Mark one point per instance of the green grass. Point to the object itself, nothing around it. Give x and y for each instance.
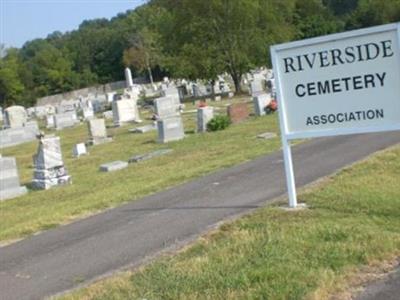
(93, 191)
(352, 221)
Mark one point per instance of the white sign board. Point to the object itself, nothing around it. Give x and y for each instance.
(337, 84)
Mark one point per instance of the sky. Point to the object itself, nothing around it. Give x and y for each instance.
(24, 20)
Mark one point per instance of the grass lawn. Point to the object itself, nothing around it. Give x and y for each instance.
(352, 221)
(93, 191)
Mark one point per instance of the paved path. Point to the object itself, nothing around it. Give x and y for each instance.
(59, 259)
(387, 288)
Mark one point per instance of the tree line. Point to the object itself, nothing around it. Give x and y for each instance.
(192, 39)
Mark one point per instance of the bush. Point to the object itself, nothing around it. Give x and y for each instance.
(218, 123)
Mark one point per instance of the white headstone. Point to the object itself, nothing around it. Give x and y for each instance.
(170, 129)
(204, 115)
(50, 121)
(256, 87)
(64, 120)
(88, 113)
(165, 107)
(9, 179)
(98, 132)
(125, 111)
(79, 149)
(128, 78)
(15, 116)
(260, 102)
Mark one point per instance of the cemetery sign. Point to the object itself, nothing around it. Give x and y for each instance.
(338, 84)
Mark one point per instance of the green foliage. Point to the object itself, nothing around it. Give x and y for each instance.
(202, 39)
(11, 87)
(193, 39)
(374, 12)
(218, 123)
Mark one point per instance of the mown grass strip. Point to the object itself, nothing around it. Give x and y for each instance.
(352, 221)
(93, 191)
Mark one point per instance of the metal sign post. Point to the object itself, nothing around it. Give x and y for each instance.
(345, 83)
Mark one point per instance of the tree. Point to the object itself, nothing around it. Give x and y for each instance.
(11, 87)
(202, 39)
(143, 53)
(312, 18)
(374, 12)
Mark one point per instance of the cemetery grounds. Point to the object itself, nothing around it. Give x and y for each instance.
(351, 224)
(93, 191)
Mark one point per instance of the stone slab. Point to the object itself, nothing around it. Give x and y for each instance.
(79, 149)
(12, 193)
(113, 166)
(267, 135)
(147, 156)
(99, 141)
(143, 129)
(45, 184)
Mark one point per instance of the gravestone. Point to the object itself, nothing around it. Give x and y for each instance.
(133, 92)
(128, 78)
(267, 135)
(165, 107)
(238, 112)
(204, 115)
(15, 116)
(49, 166)
(217, 98)
(30, 111)
(147, 156)
(113, 166)
(110, 96)
(108, 114)
(170, 129)
(40, 112)
(19, 135)
(79, 149)
(256, 87)
(98, 132)
(65, 120)
(9, 179)
(50, 121)
(143, 129)
(173, 93)
(260, 102)
(88, 113)
(125, 111)
(65, 106)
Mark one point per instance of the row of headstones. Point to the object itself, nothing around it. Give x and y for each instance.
(49, 169)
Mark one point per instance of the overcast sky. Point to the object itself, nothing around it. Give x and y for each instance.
(24, 20)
